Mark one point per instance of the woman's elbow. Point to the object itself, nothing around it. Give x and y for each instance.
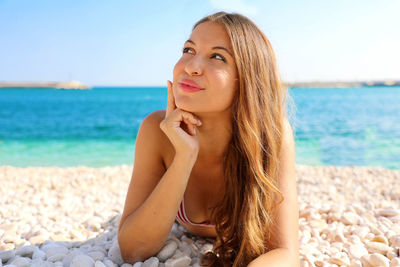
(135, 250)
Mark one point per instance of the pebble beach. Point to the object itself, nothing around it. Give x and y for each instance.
(52, 216)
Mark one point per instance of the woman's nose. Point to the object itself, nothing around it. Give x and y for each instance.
(193, 66)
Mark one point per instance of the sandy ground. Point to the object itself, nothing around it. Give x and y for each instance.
(349, 216)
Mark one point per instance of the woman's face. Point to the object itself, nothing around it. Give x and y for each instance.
(207, 59)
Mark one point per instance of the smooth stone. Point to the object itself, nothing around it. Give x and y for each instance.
(357, 251)
(126, 265)
(365, 260)
(394, 241)
(41, 263)
(376, 247)
(99, 264)
(56, 257)
(340, 258)
(82, 261)
(361, 231)
(355, 263)
(391, 254)
(6, 255)
(108, 263)
(195, 261)
(179, 262)
(187, 250)
(96, 255)
(39, 254)
(381, 239)
(395, 262)
(114, 253)
(388, 212)
(167, 251)
(55, 249)
(377, 259)
(26, 251)
(36, 240)
(151, 262)
(70, 256)
(7, 246)
(138, 264)
(21, 262)
(350, 218)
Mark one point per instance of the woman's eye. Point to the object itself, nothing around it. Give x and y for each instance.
(185, 50)
(220, 57)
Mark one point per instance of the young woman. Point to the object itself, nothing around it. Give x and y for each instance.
(220, 159)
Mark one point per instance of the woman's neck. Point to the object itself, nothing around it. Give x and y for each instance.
(214, 135)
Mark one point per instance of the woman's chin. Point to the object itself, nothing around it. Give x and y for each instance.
(186, 107)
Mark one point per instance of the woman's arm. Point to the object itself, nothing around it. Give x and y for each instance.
(151, 203)
(287, 213)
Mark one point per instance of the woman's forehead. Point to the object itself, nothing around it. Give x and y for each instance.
(210, 33)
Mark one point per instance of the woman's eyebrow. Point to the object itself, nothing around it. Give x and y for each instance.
(215, 47)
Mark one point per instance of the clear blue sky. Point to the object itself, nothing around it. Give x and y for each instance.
(138, 42)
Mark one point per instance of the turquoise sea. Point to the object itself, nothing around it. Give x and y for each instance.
(98, 127)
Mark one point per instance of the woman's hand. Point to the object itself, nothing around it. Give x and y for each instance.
(180, 128)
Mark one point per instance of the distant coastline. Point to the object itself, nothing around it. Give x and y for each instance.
(309, 84)
(343, 84)
(53, 85)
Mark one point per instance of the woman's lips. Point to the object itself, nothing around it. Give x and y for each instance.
(188, 88)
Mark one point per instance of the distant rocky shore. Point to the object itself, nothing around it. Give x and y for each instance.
(310, 84)
(339, 84)
(55, 85)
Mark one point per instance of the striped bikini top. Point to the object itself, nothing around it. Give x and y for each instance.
(181, 216)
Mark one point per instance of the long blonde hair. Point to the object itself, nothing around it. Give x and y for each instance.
(243, 219)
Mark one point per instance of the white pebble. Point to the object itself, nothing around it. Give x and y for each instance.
(70, 256)
(138, 264)
(378, 260)
(388, 212)
(82, 261)
(56, 257)
(349, 218)
(6, 255)
(38, 254)
(395, 262)
(114, 253)
(96, 255)
(108, 263)
(357, 251)
(151, 262)
(167, 251)
(55, 250)
(377, 247)
(340, 258)
(179, 262)
(99, 264)
(395, 241)
(26, 251)
(21, 262)
(41, 263)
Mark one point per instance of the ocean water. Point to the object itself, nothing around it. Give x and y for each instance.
(98, 127)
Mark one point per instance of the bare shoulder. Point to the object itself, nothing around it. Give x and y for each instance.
(287, 136)
(154, 118)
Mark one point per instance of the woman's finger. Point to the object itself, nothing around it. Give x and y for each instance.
(190, 117)
(190, 125)
(171, 101)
